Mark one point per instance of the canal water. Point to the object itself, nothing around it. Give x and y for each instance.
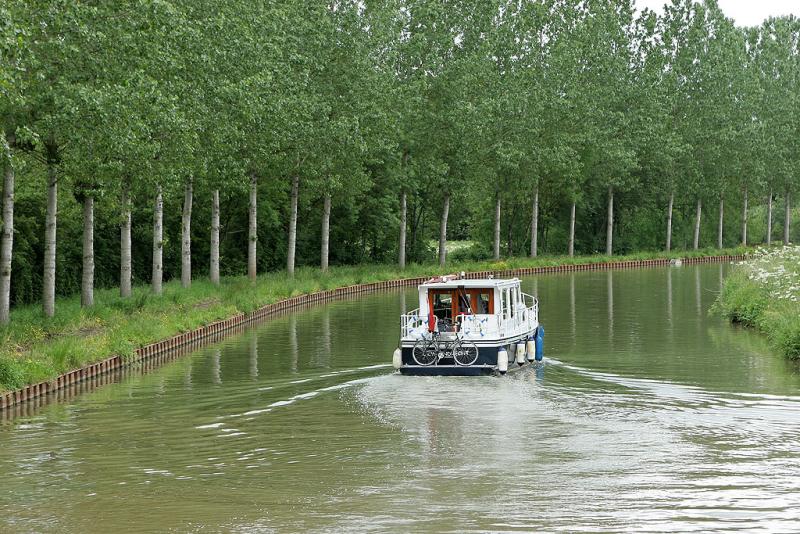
(649, 414)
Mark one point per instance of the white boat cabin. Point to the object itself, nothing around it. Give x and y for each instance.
(482, 310)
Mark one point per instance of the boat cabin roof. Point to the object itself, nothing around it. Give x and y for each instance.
(453, 282)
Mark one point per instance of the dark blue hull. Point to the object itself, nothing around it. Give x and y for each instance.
(456, 370)
(439, 370)
(487, 356)
(486, 364)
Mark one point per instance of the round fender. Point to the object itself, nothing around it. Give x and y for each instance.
(539, 343)
(502, 361)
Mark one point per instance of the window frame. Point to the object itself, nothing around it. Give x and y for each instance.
(473, 293)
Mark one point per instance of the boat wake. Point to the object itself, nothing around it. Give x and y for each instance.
(643, 451)
(297, 397)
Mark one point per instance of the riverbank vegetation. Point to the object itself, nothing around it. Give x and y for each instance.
(764, 293)
(35, 348)
(144, 142)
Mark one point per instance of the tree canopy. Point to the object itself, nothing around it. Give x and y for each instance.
(620, 128)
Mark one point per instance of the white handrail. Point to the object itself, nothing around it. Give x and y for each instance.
(526, 315)
(411, 321)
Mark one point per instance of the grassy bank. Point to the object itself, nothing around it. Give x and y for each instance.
(764, 293)
(34, 348)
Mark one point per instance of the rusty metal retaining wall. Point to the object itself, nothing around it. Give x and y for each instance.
(154, 354)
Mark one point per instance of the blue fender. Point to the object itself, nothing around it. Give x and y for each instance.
(539, 343)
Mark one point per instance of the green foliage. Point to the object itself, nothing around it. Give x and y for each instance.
(741, 300)
(12, 374)
(764, 294)
(782, 324)
(363, 100)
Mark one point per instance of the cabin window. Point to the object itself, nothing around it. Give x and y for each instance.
(448, 304)
(443, 305)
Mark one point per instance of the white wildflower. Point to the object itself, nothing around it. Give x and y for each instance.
(778, 270)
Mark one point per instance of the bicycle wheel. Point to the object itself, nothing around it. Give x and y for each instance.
(465, 353)
(424, 352)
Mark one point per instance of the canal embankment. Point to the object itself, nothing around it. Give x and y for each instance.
(41, 356)
(763, 292)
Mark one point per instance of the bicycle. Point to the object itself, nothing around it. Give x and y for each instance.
(432, 350)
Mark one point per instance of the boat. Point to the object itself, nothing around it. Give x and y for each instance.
(467, 327)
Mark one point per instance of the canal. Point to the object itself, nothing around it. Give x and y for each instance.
(649, 414)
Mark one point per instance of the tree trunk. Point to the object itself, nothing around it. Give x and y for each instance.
(7, 241)
(403, 224)
(510, 247)
(401, 259)
(610, 222)
(744, 219)
(787, 220)
(497, 226)
(158, 243)
(214, 263)
(186, 235)
(571, 246)
(669, 220)
(443, 231)
(125, 242)
(698, 217)
(252, 235)
(721, 226)
(87, 280)
(293, 225)
(51, 218)
(326, 231)
(769, 218)
(535, 223)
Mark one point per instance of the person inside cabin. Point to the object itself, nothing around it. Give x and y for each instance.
(482, 303)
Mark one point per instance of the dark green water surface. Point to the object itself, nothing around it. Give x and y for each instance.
(649, 415)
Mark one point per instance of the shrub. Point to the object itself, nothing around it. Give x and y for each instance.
(764, 293)
(783, 326)
(741, 300)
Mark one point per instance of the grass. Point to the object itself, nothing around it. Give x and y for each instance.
(764, 293)
(34, 348)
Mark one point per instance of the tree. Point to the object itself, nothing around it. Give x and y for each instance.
(7, 243)
(776, 54)
(13, 47)
(288, 134)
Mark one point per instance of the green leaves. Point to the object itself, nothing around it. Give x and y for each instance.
(363, 98)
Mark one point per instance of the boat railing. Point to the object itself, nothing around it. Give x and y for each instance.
(531, 305)
(411, 321)
(479, 325)
(412, 324)
(525, 313)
